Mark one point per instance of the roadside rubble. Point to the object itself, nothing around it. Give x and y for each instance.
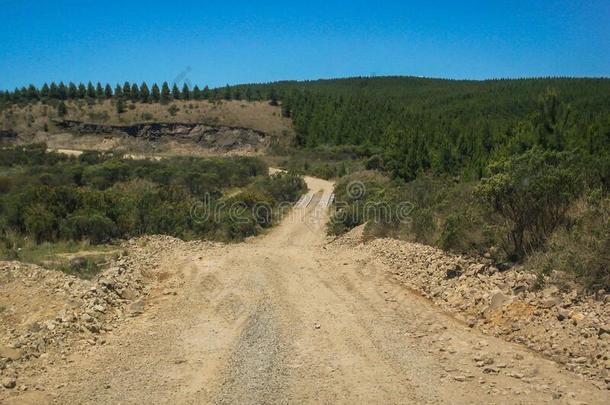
(44, 309)
(568, 327)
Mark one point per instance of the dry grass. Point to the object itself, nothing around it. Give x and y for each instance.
(258, 115)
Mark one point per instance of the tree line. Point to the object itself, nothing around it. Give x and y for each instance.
(130, 91)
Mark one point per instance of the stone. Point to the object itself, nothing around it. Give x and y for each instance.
(491, 370)
(562, 314)
(10, 353)
(453, 272)
(496, 301)
(550, 302)
(577, 317)
(580, 360)
(9, 382)
(136, 308)
(93, 327)
(106, 283)
(127, 294)
(520, 288)
(604, 329)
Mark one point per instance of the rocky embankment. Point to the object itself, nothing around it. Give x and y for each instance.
(46, 311)
(570, 328)
(215, 138)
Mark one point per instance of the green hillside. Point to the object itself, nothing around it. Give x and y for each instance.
(447, 126)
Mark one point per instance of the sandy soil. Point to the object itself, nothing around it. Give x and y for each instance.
(283, 319)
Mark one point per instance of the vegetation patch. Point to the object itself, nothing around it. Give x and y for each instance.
(101, 198)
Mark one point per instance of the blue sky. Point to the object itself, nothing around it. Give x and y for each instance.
(215, 43)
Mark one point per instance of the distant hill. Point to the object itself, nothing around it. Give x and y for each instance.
(446, 126)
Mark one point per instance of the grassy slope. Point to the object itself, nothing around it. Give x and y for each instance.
(260, 116)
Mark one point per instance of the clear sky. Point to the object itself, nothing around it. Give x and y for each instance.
(220, 42)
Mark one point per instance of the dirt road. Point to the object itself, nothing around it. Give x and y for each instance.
(284, 318)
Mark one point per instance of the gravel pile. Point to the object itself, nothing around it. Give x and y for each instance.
(570, 328)
(86, 309)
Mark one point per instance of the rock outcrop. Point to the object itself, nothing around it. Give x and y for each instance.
(217, 138)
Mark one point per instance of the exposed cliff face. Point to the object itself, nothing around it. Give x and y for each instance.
(220, 138)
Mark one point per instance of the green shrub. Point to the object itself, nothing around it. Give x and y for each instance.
(451, 234)
(375, 162)
(579, 252)
(283, 187)
(251, 205)
(40, 223)
(532, 193)
(93, 226)
(173, 109)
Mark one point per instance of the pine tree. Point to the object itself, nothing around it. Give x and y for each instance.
(127, 90)
(16, 97)
(155, 94)
(82, 91)
(44, 91)
(72, 91)
(99, 91)
(176, 92)
(90, 91)
(186, 93)
(118, 91)
(135, 93)
(120, 105)
(206, 93)
(144, 93)
(108, 91)
(62, 91)
(62, 110)
(53, 91)
(32, 93)
(165, 93)
(196, 93)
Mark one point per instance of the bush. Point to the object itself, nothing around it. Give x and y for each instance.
(39, 223)
(251, 205)
(173, 109)
(580, 252)
(451, 234)
(90, 225)
(532, 193)
(375, 162)
(283, 187)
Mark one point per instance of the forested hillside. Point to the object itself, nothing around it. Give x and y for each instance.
(413, 125)
(447, 126)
